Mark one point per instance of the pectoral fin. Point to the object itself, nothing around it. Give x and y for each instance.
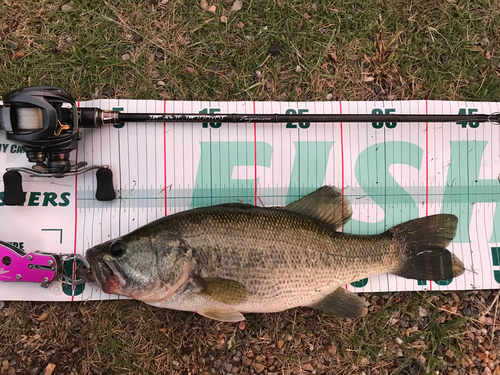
(341, 303)
(224, 315)
(225, 291)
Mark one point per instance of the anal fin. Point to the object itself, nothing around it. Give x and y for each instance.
(341, 303)
(223, 314)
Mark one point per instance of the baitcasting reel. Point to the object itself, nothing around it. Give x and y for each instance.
(45, 121)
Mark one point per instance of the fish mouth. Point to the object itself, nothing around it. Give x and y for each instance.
(105, 275)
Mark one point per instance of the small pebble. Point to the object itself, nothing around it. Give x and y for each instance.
(159, 55)
(485, 42)
(377, 89)
(160, 83)
(307, 367)
(228, 367)
(35, 371)
(155, 74)
(298, 69)
(329, 97)
(136, 37)
(445, 59)
(10, 44)
(125, 57)
(399, 341)
(66, 8)
(274, 49)
(241, 325)
(258, 367)
(258, 74)
(108, 91)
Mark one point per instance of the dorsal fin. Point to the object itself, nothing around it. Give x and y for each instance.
(326, 204)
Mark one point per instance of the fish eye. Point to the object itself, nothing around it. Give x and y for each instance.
(116, 250)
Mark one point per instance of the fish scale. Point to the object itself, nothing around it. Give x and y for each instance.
(282, 258)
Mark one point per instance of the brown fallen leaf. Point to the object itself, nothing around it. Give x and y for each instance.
(477, 48)
(281, 343)
(49, 369)
(306, 16)
(43, 317)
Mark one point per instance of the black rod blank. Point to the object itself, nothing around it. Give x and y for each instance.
(278, 118)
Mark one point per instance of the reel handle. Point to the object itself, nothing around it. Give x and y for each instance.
(13, 194)
(105, 190)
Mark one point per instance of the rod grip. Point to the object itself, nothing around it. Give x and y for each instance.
(13, 194)
(105, 190)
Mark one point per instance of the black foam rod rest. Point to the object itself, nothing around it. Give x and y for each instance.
(105, 191)
(13, 194)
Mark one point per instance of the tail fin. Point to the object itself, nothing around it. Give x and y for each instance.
(423, 242)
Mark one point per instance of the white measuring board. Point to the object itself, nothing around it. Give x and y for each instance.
(390, 172)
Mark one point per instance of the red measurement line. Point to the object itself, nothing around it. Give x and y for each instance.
(342, 153)
(255, 153)
(165, 156)
(76, 221)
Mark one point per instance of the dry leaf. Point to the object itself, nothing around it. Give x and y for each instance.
(237, 5)
(281, 343)
(477, 49)
(190, 70)
(306, 16)
(204, 4)
(332, 349)
(368, 79)
(421, 311)
(49, 369)
(223, 19)
(43, 317)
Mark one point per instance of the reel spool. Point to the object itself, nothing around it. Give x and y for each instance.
(45, 120)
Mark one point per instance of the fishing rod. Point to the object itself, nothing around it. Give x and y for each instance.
(45, 120)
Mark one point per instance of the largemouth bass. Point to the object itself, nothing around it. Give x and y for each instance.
(225, 260)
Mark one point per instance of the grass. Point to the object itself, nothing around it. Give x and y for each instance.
(441, 50)
(348, 50)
